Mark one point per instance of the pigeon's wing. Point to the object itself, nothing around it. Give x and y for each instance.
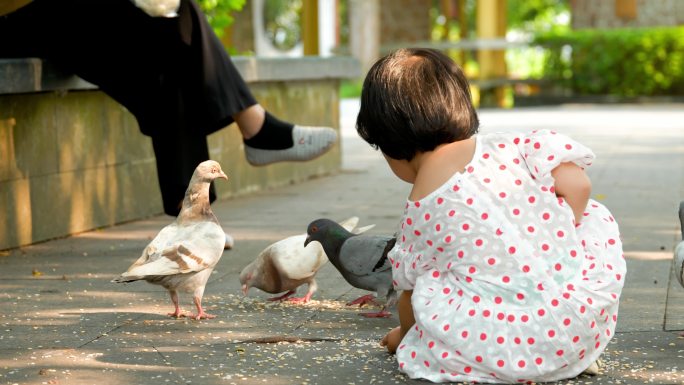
(180, 249)
(350, 223)
(293, 260)
(160, 241)
(362, 255)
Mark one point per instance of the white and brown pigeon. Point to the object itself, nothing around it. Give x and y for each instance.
(285, 265)
(183, 255)
(361, 259)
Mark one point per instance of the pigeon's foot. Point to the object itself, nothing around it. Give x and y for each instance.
(364, 300)
(176, 314)
(309, 143)
(201, 315)
(282, 297)
(304, 299)
(381, 314)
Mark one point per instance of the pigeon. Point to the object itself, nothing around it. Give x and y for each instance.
(184, 253)
(287, 264)
(679, 250)
(361, 259)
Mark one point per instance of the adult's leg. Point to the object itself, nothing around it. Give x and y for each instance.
(227, 98)
(178, 154)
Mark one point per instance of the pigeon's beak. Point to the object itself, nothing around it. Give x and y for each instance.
(223, 175)
(307, 240)
(245, 289)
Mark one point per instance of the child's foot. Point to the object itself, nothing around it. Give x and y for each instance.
(593, 369)
(309, 143)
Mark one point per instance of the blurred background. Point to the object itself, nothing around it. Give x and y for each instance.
(73, 160)
(516, 52)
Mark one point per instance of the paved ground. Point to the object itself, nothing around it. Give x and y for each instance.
(63, 322)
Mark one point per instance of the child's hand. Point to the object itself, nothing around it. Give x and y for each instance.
(391, 340)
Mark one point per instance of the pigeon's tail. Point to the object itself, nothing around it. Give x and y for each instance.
(681, 217)
(124, 279)
(350, 223)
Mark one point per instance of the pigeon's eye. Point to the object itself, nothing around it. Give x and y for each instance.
(314, 229)
(213, 171)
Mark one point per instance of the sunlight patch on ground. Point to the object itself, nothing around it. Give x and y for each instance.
(648, 255)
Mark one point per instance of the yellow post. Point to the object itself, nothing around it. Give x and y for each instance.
(491, 23)
(626, 9)
(310, 27)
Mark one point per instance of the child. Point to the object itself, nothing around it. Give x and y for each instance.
(510, 273)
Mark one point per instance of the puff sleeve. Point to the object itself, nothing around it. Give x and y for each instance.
(403, 274)
(544, 150)
(409, 257)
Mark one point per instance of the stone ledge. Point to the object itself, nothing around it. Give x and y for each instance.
(27, 75)
(74, 161)
(255, 69)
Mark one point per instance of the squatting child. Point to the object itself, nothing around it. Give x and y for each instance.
(509, 271)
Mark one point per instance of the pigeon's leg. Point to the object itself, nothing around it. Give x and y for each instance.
(313, 286)
(363, 300)
(200, 312)
(174, 298)
(282, 297)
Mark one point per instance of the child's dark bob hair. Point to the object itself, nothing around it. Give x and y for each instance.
(414, 100)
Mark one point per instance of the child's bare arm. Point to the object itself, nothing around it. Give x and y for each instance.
(406, 321)
(573, 184)
(406, 318)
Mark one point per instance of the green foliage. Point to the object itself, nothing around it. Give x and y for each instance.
(538, 15)
(351, 88)
(282, 21)
(621, 62)
(524, 19)
(219, 12)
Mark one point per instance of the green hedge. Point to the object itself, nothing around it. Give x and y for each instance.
(622, 62)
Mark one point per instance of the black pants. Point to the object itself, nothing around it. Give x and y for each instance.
(173, 75)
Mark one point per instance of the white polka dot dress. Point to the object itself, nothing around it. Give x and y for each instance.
(505, 287)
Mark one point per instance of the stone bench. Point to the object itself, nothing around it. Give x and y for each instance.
(72, 159)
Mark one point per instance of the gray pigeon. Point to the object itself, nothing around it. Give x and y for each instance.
(285, 265)
(679, 250)
(184, 253)
(361, 259)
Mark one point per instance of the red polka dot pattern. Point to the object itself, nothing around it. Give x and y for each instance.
(492, 254)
